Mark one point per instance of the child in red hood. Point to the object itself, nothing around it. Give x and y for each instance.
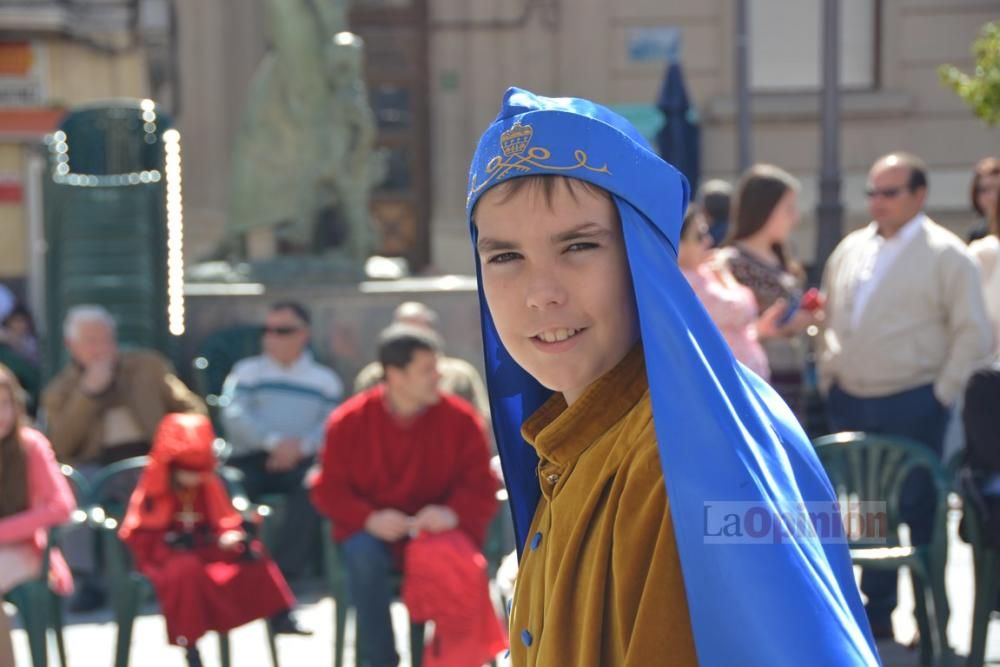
(188, 540)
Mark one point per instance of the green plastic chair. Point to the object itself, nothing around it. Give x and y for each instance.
(499, 542)
(215, 357)
(337, 581)
(129, 588)
(873, 467)
(500, 535)
(40, 608)
(269, 507)
(986, 561)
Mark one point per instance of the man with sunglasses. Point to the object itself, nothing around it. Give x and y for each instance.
(905, 328)
(274, 407)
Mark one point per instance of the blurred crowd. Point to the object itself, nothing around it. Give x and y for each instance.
(402, 467)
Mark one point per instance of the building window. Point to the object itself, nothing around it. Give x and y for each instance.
(786, 44)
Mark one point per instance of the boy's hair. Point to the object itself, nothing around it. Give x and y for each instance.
(545, 184)
(398, 343)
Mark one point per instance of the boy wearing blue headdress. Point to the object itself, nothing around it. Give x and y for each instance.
(621, 417)
(556, 278)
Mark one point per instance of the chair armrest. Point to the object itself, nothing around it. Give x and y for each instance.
(77, 518)
(118, 561)
(253, 514)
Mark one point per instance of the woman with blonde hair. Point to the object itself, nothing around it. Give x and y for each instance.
(34, 496)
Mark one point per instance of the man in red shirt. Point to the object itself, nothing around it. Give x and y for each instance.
(400, 459)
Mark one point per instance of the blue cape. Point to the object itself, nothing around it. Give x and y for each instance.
(722, 432)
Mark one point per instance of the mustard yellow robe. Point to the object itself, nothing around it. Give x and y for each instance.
(600, 579)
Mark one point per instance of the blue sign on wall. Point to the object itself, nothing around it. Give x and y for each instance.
(657, 43)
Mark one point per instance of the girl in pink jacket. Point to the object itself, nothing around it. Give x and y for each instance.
(34, 496)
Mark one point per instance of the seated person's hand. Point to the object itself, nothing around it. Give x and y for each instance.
(767, 323)
(230, 540)
(389, 525)
(435, 519)
(179, 540)
(97, 376)
(285, 455)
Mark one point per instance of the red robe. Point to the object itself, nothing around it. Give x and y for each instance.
(372, 461)
(445, 581)
(205, 587)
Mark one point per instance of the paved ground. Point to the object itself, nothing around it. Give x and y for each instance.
(90, 639)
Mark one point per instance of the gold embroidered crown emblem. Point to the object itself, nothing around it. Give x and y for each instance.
(515, 140)
(518, 159)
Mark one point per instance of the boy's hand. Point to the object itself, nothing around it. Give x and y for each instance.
(230, 540)
(389, 525)
(435, 519)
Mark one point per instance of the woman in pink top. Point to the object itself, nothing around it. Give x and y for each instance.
(731, 305)
(33, 497)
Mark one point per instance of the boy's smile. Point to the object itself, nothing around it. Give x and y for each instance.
(550, 336)
(556, 280)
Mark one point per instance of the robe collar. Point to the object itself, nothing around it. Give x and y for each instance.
(560, 434)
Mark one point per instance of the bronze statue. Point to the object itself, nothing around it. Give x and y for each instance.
(304, 161)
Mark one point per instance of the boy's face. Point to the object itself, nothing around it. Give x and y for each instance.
(557, 283)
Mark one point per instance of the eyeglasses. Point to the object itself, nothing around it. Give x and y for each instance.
(888, 193)
(279, 330)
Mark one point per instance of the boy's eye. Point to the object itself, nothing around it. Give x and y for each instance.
(503, 258)
(577, 247)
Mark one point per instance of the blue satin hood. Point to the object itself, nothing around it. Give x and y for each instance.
(723, 434)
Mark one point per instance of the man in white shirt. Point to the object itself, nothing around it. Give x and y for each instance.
(274, 409)
(906, 326)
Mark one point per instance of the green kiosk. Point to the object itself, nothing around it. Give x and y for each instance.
(114, 224)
